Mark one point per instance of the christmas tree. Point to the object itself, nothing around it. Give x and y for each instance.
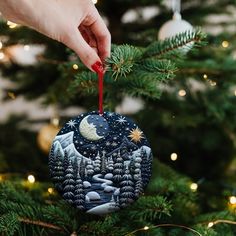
(185, 93)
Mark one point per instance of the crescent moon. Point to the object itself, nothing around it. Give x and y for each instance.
(88, 131)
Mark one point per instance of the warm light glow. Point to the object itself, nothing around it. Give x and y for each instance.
(232, 200)
(235, 92)
(50, 190)
(205, 76)
(212, 83)
(210, 224)
(26, 47)
(173, 156)
(11, 24)
(94, 1)
(75, 67)
(146, 228)
(11, 95)
(31, 179)
(182, 93)
(1, 177)
(193, 187)
(225, 44)
(55, 121)
(2, 55)
(0, 45)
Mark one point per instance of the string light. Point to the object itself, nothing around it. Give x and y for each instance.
(235, 92)
(145, 228)
(212, 83)
(210, 224)
(11, 24)
(225, 44)
(194, 187)
(182, 93)
(173, 156)
(2, 55)
(50, 190)
(94, 1)
(26, 47)
(11, 95)
(55, 121)
(1, 45)
(31, 179)
(232, 200)
(205, 76)
(75, 67)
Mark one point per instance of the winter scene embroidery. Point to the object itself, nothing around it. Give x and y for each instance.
(100, 163)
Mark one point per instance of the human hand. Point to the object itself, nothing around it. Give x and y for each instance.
(76, 23)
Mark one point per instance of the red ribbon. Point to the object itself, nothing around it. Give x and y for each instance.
(98, 68)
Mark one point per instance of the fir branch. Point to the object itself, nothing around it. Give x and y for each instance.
(178, 44)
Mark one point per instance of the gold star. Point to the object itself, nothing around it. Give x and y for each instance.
(136, 135)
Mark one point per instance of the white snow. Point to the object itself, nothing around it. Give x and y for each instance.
(93, 196)
(136, 153)
(104, 209)
(57, 147)
(65, 139)
(117, 192)
(86, 184)
(87, 199)
(108, 176)
(73, 153)
(108, 189)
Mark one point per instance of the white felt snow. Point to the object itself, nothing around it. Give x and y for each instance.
(104, 209)
(108, 189)
(108, 176)
(93, 196)
(86, 184)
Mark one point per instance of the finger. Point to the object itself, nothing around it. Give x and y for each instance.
(102, 35)
(86, 53)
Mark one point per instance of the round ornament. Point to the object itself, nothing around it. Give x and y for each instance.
(173, 27)
(100, 163)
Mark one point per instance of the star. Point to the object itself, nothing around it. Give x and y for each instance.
(108, 143)
(121, 120)
(71, 123)
(110, 114)
(93, 147)
(136, 135)
(114, 144)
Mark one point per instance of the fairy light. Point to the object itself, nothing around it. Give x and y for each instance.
(194, 187)
(205, 76)
(232, 200)
(145, 228)
(2, 55)
(11, 24)
(182, 93)
(94, 1)
(26, 47)
(212, 83)
(1, 45)
(173, 156)
(210, 224)
(31, 179)
(225, 44)
(75, 67)
(50, 190)
(235, 92)
(55, 121)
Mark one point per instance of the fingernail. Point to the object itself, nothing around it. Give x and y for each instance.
(98, 67)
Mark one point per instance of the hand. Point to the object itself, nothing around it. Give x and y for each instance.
(76, 23)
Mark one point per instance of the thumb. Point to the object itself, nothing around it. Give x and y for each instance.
(86, 53)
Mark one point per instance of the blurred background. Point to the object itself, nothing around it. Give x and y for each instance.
(191, 128)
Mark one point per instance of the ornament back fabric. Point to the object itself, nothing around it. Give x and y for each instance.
(100, 163)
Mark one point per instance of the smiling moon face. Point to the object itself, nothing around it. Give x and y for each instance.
(93, 127)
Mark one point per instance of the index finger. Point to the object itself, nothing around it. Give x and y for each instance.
(103, 37)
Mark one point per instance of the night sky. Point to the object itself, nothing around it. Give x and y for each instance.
(110, 126)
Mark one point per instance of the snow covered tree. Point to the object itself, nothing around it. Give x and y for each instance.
(127, 189)
(103, 164)
(97, 163)
(118, 169)
(137, 168)
(138, 187)
(110, 164)
(65, 161)
(124, 153)
(89, 168)
(145, 167)
(69, 184)
(57, 172)
(75, 167)
(51, 161)
(82, 168)
(79, 195)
